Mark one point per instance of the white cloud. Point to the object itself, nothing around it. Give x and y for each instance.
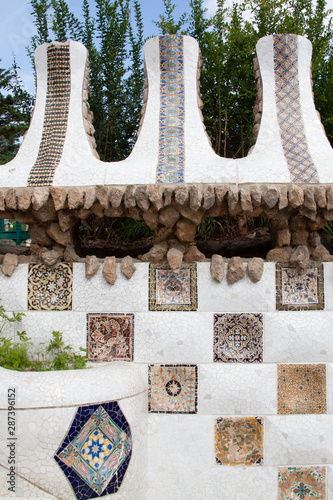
(211, 6)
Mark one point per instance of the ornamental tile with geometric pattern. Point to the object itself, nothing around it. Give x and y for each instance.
(239, 440)
(295, 483)
(50, 289)
(96, 451)
(301, 388)
(110, 336)
(238, 338)
(172, 388)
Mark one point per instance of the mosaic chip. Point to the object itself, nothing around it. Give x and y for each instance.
(299, 291)
(56, 116)
(172, 291)
(239, 440)
(171, 157)
(96, 451)
(238, 338)
(301, 388)
(110, 336)
(289, 113)
(297, 483)
(50, 289)
(173, 388)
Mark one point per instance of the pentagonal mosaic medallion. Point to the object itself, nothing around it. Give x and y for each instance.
(301, 388)
(110, 336)
(173, 388)
(239, 440)
(173, 291)
(50, 289)
(299, 291)
(238, 338)
(96, 451)
(297, 483)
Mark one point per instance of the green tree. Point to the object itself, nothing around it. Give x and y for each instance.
(167, 23)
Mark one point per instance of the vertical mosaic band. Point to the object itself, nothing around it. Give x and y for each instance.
(56, 116)
(289, 113)
(171, 157)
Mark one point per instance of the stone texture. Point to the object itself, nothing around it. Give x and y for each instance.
(141, 198)
(314, 239)
(66, 220)
(246, 202)
(329, 197)
(2, 199)
(220, 194)
(46, 213)
(217, 268)
(71, 256)
(168, 216)
(63, 238)
(299, 237)
(208, 197)
(255, 269)
(193, 254)
(24, 196)
(195, 197)
(116, 196)
(110, 270)
(320, 196)
(9, 264)
(321, 254)
(11, 199)
(256, 193)
(59, 196)
(195, 216)
(50, 258)
(233, 196)
(283, 237)
(151, 219)
(102, 194)
(296, 196)
(75, 198)
(40, 197)
(309, 198)
(127, 267)
(156, 253)
(283, 201)
(92, 266)
(89, 197)
(181, 195)
(279, 254)
(129, 198)
(270, 197)
(185, 230)
(175, 258)
(38, 235)
(235, 271)
(300, 257)
(155, 195)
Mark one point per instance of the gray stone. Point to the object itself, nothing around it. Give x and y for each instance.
(320, 196)
(129, 198)
(314, 239)
(208, 197)
(321, 254)
(50, 258)
(235, 271)
(296, 196)
(110, 270)
(195, 197)
(279, 254)
(89, 197)
(329, 197)
(127, 267)
(255, 269)
(102, 194)
(195, 216)
(157, 253)
(270, 197)
(167, 196)
(300, 257)
(71, 256)
(24, 196)
(256, 193)
(299, 237)
(11, 199)
(246, 202)
(193, 254)
(233, 196)
(217, 268)
(2, 199)
(220, 194)
(59, 196)
(54, 232)
(283, 237)
(66, 220)
(151, 218)
(181, 195)
(185, 230)
(168, 216)
(283, 201)
(155, 195)
(175, 259)
(40, 197)
(309, 198)
(9, 264)
(75, 198)
(38, 235)
(92, 266)
(116, 196)
(141, 198)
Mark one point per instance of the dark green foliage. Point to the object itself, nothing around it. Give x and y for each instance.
(117, 230)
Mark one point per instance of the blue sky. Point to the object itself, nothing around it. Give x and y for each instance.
(16, 28)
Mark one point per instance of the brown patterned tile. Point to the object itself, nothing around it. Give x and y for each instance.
(110, 336)
(297, 483)
(50, 289)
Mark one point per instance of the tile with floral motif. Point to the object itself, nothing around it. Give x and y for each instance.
(50, 289)
(110, 336)
(298, 483)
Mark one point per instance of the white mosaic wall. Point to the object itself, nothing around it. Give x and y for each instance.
(173, 450)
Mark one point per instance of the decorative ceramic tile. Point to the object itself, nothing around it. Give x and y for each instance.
(96, 451)
(173, 388)
(299, 291)
(110, 336)
(56, 116)
(171, 157)
(172, 291)
(301, 389)
(238, 338)
(50, 289)
(239, 440)
(297, 483)
(289, 113)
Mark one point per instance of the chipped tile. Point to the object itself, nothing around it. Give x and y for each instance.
(299, 291)
(172, 388)
(296, 483)
(239, 440)
(172, 291)
(50, 289)
(110, 336)
(238, 338)
(301, 388)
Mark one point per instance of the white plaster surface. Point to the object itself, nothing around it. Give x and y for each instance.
(14, 289)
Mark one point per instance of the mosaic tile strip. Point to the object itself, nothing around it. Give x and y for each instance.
(172, 291)
(173, 388)
(289, 113)
(299, 291)
(50, 289)
(171, 157)
(238, 338)
(301, 389)
(56, 116)
(110, 336)
(295, 483)
(96, 450)
(239, 440)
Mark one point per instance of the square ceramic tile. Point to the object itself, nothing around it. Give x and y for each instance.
(50, 289)
(173, 291)
(301, 388)
(172, 388)
(96, 450)
(110, 336)
(299, 291)
(239, 440)
(238, 338)
(297, 483)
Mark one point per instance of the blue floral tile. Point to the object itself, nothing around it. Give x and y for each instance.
(297, 483)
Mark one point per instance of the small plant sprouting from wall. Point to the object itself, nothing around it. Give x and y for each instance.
(24, 356)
